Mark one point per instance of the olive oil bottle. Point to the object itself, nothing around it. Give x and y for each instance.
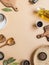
(42, 13)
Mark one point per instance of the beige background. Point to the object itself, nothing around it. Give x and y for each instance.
(19, 26)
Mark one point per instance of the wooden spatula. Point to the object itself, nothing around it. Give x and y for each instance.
(45, 34)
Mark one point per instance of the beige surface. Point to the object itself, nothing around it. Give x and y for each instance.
(19, 26)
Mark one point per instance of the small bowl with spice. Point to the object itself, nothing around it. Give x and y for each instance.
(38, 24)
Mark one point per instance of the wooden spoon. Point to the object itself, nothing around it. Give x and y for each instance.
(9, 42)
(2, 38)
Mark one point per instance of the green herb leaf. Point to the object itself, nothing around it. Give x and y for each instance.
(6, 9)
(5, 62)
(15, 63)
(10, 60)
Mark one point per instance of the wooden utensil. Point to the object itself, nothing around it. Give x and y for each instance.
(45, 34)
(9, 42)
(2, 38)
(9, 3)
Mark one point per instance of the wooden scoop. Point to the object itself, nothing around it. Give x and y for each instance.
(45, 34)
(9, 42)
(2, 38)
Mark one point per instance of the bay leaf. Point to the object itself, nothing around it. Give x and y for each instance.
(7, 9)
(10, 60)
(15, 63)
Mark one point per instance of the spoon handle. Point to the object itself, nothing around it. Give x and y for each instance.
(3, 45)
(41, 35)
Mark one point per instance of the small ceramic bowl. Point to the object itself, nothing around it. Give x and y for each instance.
(39, 23)
(3, 21)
